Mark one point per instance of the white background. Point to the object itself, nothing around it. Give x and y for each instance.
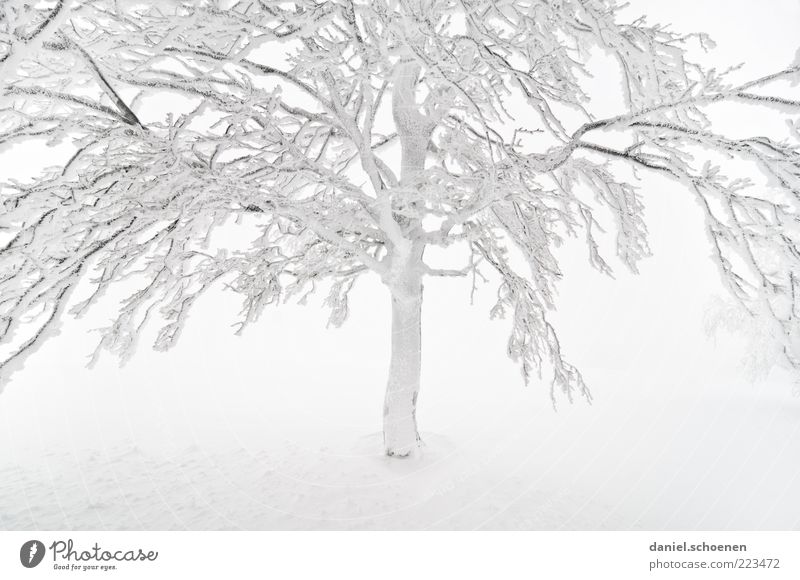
(623, 555)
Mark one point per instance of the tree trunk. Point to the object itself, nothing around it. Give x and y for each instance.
(400, 435)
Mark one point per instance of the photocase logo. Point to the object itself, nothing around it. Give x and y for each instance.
(31, 553)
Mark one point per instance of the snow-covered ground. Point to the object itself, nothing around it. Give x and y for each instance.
(653, 455)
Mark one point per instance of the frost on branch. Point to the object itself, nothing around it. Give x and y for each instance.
(533, 340)
(342, 137)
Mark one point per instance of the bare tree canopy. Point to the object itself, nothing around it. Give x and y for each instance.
(354, 135)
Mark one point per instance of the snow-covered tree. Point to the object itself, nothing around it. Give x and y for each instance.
(350, 136)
